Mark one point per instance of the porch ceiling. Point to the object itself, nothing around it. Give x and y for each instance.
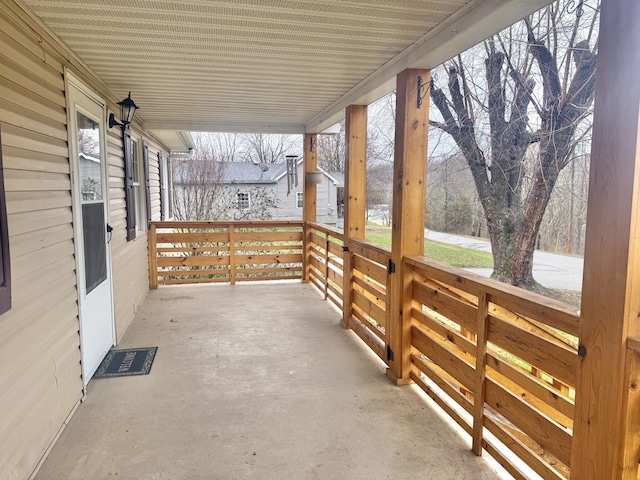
(265, 65)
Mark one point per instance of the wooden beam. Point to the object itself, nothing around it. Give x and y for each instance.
(407, 229)
(355, 182)
(153, 257)
(481, 373)
(611, 285)
(309, 196)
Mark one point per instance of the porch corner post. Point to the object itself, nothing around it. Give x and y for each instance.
(153, 256)
(309, 196)
(407, 229)
(355, 183)
(604, 442)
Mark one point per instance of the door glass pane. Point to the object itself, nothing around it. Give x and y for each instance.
(95, 247)
(93, 220)
(89, 158)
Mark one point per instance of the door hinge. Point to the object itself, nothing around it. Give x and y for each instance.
(389, 354)
(391, 268)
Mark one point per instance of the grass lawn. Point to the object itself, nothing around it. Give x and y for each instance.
(440, 252)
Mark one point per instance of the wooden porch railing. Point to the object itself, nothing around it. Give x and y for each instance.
(500, 361)
(325, 252)
(206, 252)
(369, 315)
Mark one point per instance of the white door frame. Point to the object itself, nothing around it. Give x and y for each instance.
(72, 81)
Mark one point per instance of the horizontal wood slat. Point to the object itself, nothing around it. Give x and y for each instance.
(370, 269)
(193, 261)
(445, 332)
(368, 337)
(531, 384)
(370, 251)
(259, 259)
(451, 363)
(331, 231)
(532, 459)
(369, 307)
(267, 236)
(372, 291)
(560, 362)
(443, 381)
(441, 403)
(450, 307)
(192, 237)
(335, 249)
(540, 428)
(359, 315)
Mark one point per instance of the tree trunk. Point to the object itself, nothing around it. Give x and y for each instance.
(513, 257)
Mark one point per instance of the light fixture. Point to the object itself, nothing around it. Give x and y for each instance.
(127, 110)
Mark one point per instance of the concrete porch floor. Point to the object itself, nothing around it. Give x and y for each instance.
(256, 381)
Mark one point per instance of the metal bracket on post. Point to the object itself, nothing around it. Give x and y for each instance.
(391, 267)
(389, 354)
(345, 248)
(423, 90)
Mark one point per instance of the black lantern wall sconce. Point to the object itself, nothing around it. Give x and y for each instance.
(127, 110)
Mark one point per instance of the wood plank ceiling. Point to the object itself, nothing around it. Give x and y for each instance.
(259, 65)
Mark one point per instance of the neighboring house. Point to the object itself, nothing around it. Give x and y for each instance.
(243, 177)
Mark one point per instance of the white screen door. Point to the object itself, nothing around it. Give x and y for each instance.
(93, 253)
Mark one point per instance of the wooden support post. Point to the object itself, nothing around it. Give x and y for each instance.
(309, 194)
(326, 265)
(232, 254)
(481, 372)
(153, 257)
(407, 230)
(355, 182)
(611, 286)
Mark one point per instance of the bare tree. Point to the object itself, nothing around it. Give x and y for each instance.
(270, 148)
(536, 92)
(331, 152)
(200, 192)
(197, 186)
(450, 196)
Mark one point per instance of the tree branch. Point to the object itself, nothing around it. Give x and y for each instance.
(548, 67)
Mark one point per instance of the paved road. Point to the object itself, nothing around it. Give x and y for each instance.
(549, 269)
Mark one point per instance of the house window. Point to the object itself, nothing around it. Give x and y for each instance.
(147, 181)
(129, 191)
(5, 270)
(299, 199)
(138, 186)
(242, 200)
(165, 187)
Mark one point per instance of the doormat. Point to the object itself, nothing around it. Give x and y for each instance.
(123, 363)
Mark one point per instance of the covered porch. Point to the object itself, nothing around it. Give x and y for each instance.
(259, 379)
(256, 381)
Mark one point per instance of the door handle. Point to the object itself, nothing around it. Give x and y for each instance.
(109, 233)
